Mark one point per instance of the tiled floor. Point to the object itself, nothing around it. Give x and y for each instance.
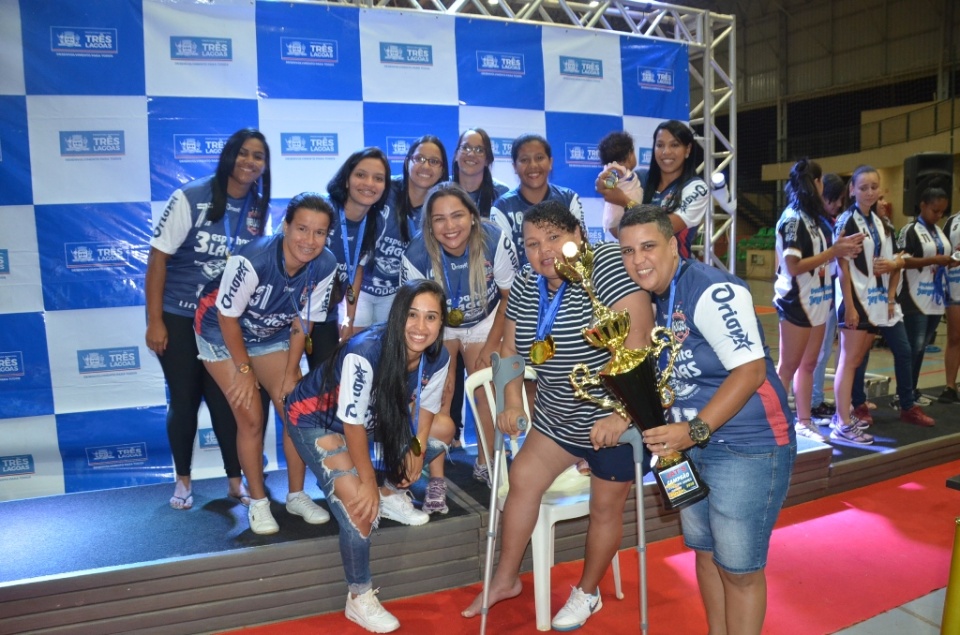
(924, 615)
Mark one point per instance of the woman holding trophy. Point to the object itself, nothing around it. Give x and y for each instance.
(544, 319)
(730, 415)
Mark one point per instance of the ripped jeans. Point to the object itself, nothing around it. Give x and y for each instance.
(354, 547)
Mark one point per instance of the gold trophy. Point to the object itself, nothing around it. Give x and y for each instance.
(631, 376)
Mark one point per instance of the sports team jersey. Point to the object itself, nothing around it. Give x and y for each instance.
(694, 200)
(196, 246)
(952, 231)
(507, 211)
(714, 319)
(805, 299)
(344, 397)
(871, 290)
(499, 189)
(557, 412)
(256, 289)
(500, 261)
(335, 245)
(924, 290)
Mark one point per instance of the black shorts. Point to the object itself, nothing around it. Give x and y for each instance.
(610, 464)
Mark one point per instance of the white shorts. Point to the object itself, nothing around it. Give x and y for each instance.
(476, 334)
(372, 309)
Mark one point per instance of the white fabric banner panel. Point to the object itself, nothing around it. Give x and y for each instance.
(407, 57)
(79, 145)
(642, 130)
(593, 218)
(582, 71)
(309, 141)
(30, 463)
(83, 48)
(15, 173)
(99, 361)
(304, 50)
(200, 49)
(11, 50)
(25, 381)
(20, 285)
(503, 125)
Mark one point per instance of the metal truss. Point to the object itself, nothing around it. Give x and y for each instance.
(711, 41)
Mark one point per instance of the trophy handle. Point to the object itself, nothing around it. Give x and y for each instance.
(664, 338)
(581, 379)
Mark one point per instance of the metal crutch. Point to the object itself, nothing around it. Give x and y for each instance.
(632, 436)
(504, 371)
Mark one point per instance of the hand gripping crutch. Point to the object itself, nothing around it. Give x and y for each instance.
(504, 371)
(632, 436)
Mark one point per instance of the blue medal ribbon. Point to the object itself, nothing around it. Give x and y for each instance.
(875, 235)
(549, 308)
(293, 299)
(673, 294)
(241, 219)
(351, 260)
(454, 300)
(940, 273)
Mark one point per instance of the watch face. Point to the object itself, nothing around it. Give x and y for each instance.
(699, 431)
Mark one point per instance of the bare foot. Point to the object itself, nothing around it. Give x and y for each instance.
(496, 595)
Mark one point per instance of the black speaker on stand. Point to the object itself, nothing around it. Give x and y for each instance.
(927, 169)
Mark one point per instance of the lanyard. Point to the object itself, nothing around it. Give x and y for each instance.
(241, 220)
(415, 418)
(289, 289)
(673, 294)
(455, 300)
(548, 308)
(939, 273)
(351, 260)
(874, 233)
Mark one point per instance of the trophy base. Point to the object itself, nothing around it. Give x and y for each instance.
(679, 483)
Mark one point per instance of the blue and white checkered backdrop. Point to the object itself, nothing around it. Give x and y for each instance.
(106, 107)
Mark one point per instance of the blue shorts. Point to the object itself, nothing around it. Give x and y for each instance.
(748, 485)
(609, 464)
(209, 352)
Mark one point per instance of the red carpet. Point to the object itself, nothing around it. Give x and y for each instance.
(833, 562)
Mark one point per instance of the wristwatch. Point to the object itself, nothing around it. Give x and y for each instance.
(243, 368)
(699, 432)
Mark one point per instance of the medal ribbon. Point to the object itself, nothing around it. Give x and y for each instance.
(875, 235)
(415, 417)
(352, 261)
(673, 294)
(548, 308)
(454, 300)
(241, 219)
(293, 301)
(940, 273)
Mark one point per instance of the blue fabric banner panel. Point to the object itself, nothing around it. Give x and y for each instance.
(499, 64)
(186, 137)
(93, 256)
(393, 127)
(114, 448)
(308, 52)
(574, 139)
(88, 48)
(656, 78)
(15, 176)
(25, 386)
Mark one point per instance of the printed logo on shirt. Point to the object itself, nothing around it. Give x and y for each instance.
(11, 364)
(4, 262)
(581, 154)
(198, 147)
(502, 147)
(91, 143)
(74, 41)
(499, 63)
(731, 320)
(309, 144)
(96, 361)
(94, 255)
(397, 147)
(309, 51)
(397, 53)
(356, 390)
(242, 270)
(581, 67)
(655, 78)
(188, 48)
(17, 465)
(116, 455)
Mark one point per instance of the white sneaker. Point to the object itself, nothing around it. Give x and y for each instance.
(579, 607)
(809, 430)
(300, 504)
(260, 517)
(366, 610)
(923, 400)
(399, 507)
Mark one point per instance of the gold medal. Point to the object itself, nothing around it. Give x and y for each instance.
(351, 296)
(667, 396)
(415, 446)
(455, 317)
(309, 346)
(542, 350)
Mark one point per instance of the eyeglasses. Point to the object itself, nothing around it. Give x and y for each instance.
(477, 150)
(433, 161)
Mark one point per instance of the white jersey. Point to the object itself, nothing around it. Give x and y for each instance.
(870, 289)
(952, 231)
(924, 289)
(805, 299)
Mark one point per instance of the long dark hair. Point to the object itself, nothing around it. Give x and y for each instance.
(228, 160)
(834, 188)
(684, 135)
(801, 188)
(338, 190)
(488, 193)
(404, 208)
(390, 394)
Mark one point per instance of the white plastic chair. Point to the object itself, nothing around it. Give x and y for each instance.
(568, 497)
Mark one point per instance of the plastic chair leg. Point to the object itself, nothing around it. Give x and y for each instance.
(541, 548)
(616, 575)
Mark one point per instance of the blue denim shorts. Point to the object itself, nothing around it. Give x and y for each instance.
(218, 352)
(748, 485)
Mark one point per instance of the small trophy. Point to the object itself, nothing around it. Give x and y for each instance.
(631, 376)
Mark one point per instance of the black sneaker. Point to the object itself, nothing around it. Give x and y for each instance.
(949, 395)
(824, 410)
